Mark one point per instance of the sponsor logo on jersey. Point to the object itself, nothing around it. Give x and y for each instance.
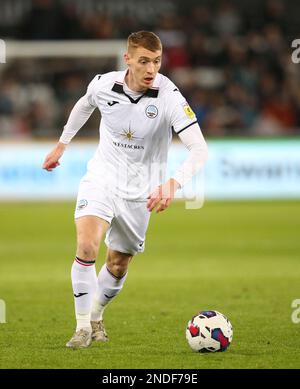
(126, 146)
(151, 111)
(129, 136)
(82, 204)
(188, 111)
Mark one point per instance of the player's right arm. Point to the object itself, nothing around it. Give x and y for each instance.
(52, 159)
(80, 113)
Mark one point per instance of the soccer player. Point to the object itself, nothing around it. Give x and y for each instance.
(125, 179)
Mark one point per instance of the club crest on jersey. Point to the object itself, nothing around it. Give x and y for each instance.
(188, 110)
(151, 111)
(82, 204)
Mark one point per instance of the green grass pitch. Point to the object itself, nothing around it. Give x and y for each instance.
(240, 258)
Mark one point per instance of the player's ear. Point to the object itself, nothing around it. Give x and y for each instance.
(127, 58)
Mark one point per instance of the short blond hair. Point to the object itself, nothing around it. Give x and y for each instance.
(146, 39)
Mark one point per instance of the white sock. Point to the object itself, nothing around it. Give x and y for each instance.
(84, 282)
(108, 286)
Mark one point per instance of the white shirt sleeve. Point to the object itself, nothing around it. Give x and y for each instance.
(80, 113)
(179, 112)
(193, 139)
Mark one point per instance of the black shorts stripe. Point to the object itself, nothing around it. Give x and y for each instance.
(196, 121)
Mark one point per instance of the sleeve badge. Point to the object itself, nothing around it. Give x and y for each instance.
(188, 111)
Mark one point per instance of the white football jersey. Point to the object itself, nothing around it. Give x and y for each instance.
(135, 133)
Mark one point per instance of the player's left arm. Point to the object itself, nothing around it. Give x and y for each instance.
(184, 123)
(193, 139)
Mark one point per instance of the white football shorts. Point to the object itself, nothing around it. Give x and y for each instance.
(128, 219)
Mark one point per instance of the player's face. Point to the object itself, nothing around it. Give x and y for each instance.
(143, 66)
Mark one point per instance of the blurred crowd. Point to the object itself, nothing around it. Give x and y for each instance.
(231, 59)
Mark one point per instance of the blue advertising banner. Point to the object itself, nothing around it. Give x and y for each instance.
(236, 169)
(253, 169)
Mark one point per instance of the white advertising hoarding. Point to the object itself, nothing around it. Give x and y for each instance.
(236, 169)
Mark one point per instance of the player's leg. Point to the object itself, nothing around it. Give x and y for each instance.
(90, 231)
(124, 239)
(111, 279)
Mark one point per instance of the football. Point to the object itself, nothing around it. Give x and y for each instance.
(209, 331)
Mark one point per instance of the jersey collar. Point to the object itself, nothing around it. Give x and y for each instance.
(118, 87)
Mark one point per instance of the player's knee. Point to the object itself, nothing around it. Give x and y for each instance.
(119, 270)
(118, 265)
(87, 250)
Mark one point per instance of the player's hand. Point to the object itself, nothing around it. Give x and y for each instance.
(52, 159)
(162, 196)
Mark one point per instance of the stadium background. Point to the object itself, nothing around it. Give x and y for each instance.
(233, 62)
